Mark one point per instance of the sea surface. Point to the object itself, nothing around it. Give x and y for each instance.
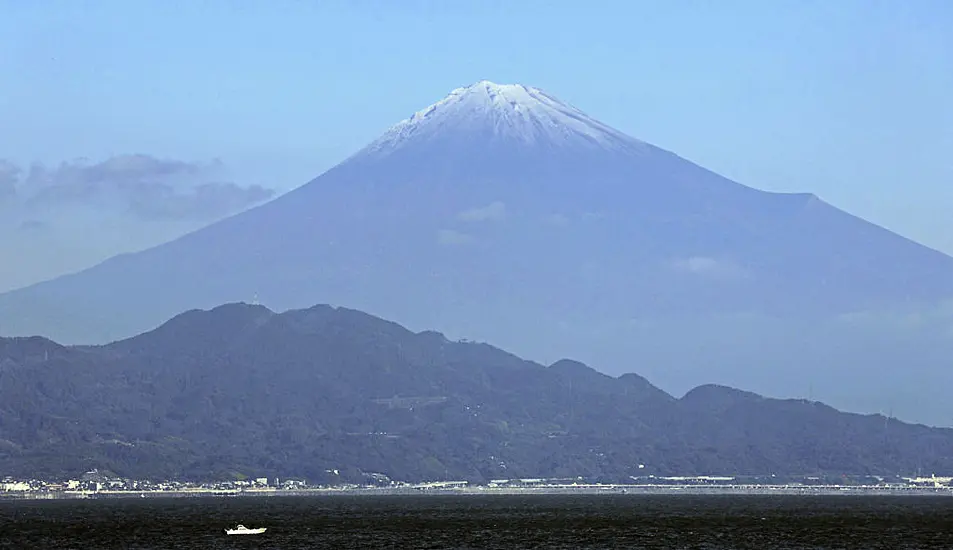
(493, 522)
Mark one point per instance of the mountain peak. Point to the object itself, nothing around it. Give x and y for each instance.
(488, 113)
(491, 86)
(498, 93)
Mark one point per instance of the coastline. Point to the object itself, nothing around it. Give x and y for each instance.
(627, 490)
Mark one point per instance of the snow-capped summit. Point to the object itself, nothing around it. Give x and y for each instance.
(514, 114)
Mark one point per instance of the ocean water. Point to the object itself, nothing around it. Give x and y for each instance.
(492, 522)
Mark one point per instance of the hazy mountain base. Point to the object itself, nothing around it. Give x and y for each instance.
(890, 361)
(887, 355)
(240, 390)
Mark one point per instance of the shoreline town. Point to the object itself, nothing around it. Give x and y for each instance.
(96, 486)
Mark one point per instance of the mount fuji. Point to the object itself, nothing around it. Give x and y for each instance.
(503, 214)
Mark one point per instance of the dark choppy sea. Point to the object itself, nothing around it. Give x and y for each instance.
(493, 522)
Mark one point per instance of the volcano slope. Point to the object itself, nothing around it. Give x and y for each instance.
(502, 214)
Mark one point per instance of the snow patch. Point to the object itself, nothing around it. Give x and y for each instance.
(512, 113)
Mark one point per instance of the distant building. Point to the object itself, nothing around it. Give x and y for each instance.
(17, 486)
(933, 480)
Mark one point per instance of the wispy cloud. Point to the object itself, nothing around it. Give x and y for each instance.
(937, 315)
(56, 219)
(454, 238)
(491, 212)
(139, 185)
(208, 200)
(9, 176)
(32, 226)
(711, 267)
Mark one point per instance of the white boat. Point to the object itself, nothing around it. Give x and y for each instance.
(242, 530)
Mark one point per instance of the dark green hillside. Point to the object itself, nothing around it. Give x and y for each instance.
(241, 390)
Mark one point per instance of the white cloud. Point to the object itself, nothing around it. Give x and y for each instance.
(451, 237)
(931, 317)
(141, 185)
(711, 267)
(594, 215)
(67, 216)
(491, 212)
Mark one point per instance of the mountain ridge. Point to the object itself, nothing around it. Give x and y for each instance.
(327, 388)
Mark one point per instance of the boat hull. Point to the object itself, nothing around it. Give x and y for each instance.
(258, 531)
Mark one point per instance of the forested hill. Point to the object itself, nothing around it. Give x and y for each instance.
(241, 390)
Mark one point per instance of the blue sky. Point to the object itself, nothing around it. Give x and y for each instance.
(851, 100)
